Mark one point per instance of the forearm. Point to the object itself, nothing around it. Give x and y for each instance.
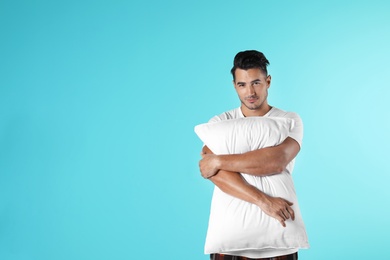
(262, 162)
(235, 185)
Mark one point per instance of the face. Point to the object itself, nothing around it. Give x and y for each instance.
(252, 89)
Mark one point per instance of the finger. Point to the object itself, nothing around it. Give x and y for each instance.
(289, 202)
(211, 174)
(204, 174)
(282, 222)
(286, 214)
(291, 213)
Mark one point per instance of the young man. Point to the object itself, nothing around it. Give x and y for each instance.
(251, 82)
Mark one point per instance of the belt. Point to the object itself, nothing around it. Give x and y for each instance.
(232, 257)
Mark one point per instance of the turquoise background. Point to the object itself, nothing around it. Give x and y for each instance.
(98, 100)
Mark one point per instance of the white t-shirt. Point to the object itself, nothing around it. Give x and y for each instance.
(297, 135)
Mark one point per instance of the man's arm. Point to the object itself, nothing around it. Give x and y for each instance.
(235, 185)
(261, 162)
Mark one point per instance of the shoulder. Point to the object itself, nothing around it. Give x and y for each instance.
(276, 112)
(231, 114)
(297, 131)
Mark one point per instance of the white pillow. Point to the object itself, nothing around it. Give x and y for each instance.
(244, 134)
(236, 225)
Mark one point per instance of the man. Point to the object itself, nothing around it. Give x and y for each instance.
(251, 82)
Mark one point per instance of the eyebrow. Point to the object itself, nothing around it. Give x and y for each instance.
(253, 81)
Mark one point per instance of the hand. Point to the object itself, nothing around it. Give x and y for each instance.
(277, 208)
(208, 165)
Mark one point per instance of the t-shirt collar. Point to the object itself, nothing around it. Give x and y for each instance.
(242, 115)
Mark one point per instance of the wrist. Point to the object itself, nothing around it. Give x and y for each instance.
(218, 162)
(261, 199)
(223, 162)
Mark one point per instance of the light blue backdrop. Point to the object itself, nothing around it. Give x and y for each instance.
(98, 100)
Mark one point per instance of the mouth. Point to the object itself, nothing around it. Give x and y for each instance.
(252, 99)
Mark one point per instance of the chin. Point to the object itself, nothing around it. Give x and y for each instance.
(252, 107)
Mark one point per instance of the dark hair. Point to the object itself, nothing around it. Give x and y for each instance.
(249, 60)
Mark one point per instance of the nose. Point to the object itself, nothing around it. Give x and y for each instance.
(251, 89)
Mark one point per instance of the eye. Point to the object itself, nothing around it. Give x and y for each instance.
(256, 83)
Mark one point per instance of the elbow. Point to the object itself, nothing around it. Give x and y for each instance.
(278, 169)
(280, 165)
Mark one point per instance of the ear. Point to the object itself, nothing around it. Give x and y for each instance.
(268, 80)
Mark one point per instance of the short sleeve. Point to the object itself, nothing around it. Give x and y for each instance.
(297, 132)
(215, 119)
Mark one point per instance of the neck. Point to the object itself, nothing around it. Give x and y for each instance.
(255, 112)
